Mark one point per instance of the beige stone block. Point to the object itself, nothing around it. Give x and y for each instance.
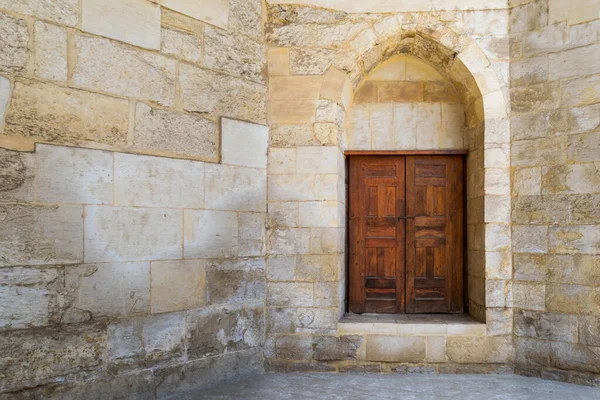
(584, 148)
(73, 175)
(132, 234)
(575, 120)
(217, 94)
(429, 121)
(499, 321)
(278, 60)
(359, 130)
(36, 235)
(172, 19)
(309, 61)
(382, 131)
(418, 70)
(215, 12)
(289, 112)
(539, 97)
(4, 96)
(406, 126)
(396, 348)
(52, 113)
(529, 71)
(283, 214)
(574, 239)
(327, 240)
(305, 187)
(244, 144)
(584, 34)
(235, 188)
(530, 238)
(292, 135)
(252, 234)
(583, 178)
(143, 181)
(282, 161)
(543, 268)
(580, 91)
(289, 241)
(320, 214)
(399, 92)
(18, 172)
(366, 93)
(318, 268)
(452, 133)
(497, 237)
(110, 290)
(329, 111)
(337, 87)
(65, 12)
(50, 44)
(295, 88)
(281, 268)
(184, 45)
(527, 181)
(487, 22)
(322, 160)
(498, 293)
(133, 21)
(290, 294)
(246, 17)
(477, 350)
(497, 208)
(436, 349)
(327, 133)
(439, 91)
(14, 54)
(393, 69)
(173, 133)
(550, 38)
(111, 67)
(529, 296)
(574, 63)
(586, 269)
(497, 181)
(544, 151)
(573, 299)
(585, 209)
(210, 234)
(590, 330)
(177, 285)
(530, 126)
(574, 12)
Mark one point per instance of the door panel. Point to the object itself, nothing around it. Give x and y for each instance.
(377, 234)
(434, 237)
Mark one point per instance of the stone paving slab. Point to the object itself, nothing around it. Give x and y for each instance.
(402, 387)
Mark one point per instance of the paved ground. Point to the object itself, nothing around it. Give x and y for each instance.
(389, 386)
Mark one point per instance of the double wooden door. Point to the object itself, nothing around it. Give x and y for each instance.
(406, 234)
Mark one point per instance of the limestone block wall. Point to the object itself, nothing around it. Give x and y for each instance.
(133, 155)
(555, 140)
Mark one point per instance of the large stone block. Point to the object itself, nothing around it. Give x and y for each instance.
(585, 209)
(573, 299)
(17, 172)
(281, 268)
(330, 348)
(246, 17)
(574, 63)
(581, 91)
(543, 268)
(146, 341)
(215, 12)
(479, 350)
(586, 269)
(109, 290)
(547, 326)
(293, 294)
(289, 241)
(530, 238)
(33, 358)
(244, 144)
(529, 71)
(252, 234)
(214, 331)
(64, 12)
(14, 54)
(409, 349)
(142, 181)
(236, 282)
(235, 188)
(574, 12)
(110, 67)
(184, 45)
(544, 151)
(132, 21)
(575, 357)
(323, 160)
(539, 97)
(589, 330)
(132, 234)
(585, 148)
(177, 285)
(210, 234)
(173, 133)
(51, 113)
(321, 214)
(217, 94)
(234, 54)
(305, 187)
(327, 240)
(317, 320)
(318, 268)
(574, 239)
(532, 352)
(50, 43)
(528, 296)
(527, 181)
(74, 175)
(30, 297)
(549, 209)
(36, 235)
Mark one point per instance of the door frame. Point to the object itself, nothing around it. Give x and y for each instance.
(451, 152)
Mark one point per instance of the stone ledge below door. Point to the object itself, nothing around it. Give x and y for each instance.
(413, 324)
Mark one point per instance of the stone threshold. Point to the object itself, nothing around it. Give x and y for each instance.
(413, 324)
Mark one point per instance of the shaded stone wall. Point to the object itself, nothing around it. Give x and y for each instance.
(555, 96)
(121, 274)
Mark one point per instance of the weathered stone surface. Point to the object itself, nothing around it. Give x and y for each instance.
(4, 95)
(35, 235)
(17, 172)
(317, 320)
(177, 285)
(574, 63)
(218, 94)
(110, 67)
(496, 293)
(234, 54)
(14, 35)
(585, 209)
(550, 151)
(544, 96)
(311, 61)
(584, 148)
(210, 234)
(499, 322)
(132, 21)
(527, 181)
(109, 290)
(548, 326)
(529, 71)
(73, 175)
(396, 348)
(132, 234)
(289, 241)
(574, 239)
(473, 349)
(581, 91)
(236, 282)
(214, 12)
(313, 35)
(319, 187)
(52, 113)
(293, 347)
(244, 144)
(318, 268)
(36, 357)
(528, 296)
(246, 188)
(30, 297)
(252, 234)
(327, 240)
(292, 136)
(145, 341)
(214, 331)
(184, 45)
(589, 330)
(330, 348)
(293, 294)
(320, 214)
(586, 269)
(50, 43)
(549, 209)
(543, 268)
(530, 239)
(281, 268)
(175, 133)
(577, 357)
(573, 299)
(65, 12)
(158, 182)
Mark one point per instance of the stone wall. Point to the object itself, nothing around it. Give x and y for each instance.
(121, 274)
(555, 96)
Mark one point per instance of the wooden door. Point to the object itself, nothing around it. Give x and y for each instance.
(376, 234)
(406, 234)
